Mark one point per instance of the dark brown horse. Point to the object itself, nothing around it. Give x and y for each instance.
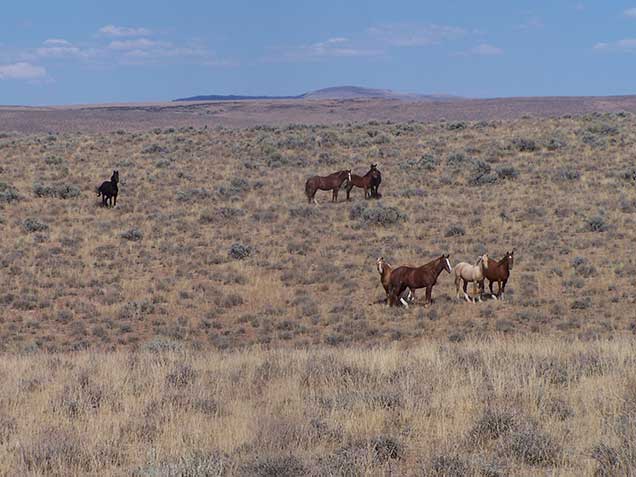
(414, 278)
(498, 271)
(364, 182)
(376, 180)
(331, 182)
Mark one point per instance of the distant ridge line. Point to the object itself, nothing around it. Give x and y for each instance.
(335, 92)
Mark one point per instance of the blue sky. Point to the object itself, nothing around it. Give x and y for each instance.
(91, 51)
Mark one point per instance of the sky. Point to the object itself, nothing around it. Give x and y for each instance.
(95, 51)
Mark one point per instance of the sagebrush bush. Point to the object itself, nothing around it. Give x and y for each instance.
(8, 193)
(32, 224)
(239, 251)
(133, 235)
(377, 215)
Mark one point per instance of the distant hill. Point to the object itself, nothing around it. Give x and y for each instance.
(336, 92)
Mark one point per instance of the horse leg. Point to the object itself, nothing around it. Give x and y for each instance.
(391, 296)
(466, 296)
(429, 290)
(115, 200)
(334, 195)
(477, 291)
(503, 288)
(492, 293)
(348, 189)
(457, 282)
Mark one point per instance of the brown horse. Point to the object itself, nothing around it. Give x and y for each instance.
(364, 182)
(376, 180)
(331, 182)
(385, 269)
(498, 271)
(414, 278)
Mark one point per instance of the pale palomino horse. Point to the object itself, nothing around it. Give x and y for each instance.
(470, 273)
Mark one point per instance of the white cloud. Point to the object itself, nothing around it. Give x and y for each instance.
(56, 42)
(411, 35)
(624, 45)
(630, 12)
(138, 44)
(112, 30)
(58, 48)
(532, 23)
(486, 49)
(22, 71)
(374, 42)
(337, 47)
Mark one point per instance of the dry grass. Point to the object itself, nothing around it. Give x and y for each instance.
(497, 407)
(212, 241)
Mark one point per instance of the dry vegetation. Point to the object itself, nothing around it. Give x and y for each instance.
(491, 408)
(223, 326)
(212, 241)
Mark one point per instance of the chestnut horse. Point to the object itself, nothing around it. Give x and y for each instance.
(498, 271)
(364, 182)
(414, 278)
(385, 269)
(331, 182)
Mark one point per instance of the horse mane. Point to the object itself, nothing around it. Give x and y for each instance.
(432, 262)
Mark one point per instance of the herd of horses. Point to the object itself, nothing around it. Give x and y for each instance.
(400, 282)
(370, 182)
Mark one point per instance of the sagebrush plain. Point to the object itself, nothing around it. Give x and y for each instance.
(214, 322)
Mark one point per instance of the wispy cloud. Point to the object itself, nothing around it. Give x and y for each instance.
(624, 45)
(532, 23)
(112, 30)
(412, 35)
(22, 71)
(375, 41)
(103, 52)
(486, 49)
(60, 48)
(137, 44)
(330, 48)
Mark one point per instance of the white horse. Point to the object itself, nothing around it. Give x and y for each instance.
(471, 273)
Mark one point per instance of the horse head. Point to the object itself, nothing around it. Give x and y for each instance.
(380, 265)
(484, 261)
(510, 257)
(447, 264)
(348, 171)
(115, 177)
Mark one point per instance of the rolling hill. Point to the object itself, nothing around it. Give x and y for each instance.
(336, 92)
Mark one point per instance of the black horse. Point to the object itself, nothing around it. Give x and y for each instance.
(376, 179)
(108, 190)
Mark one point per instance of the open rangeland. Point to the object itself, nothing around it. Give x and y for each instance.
(538, 406)
(212, 241)
(215, 322)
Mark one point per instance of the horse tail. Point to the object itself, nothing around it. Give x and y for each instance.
(308, 189)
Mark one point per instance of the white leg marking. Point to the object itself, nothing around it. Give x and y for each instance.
(404, 302)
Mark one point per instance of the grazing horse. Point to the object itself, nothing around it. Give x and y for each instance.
(498, 271)
(364, 182)
(470, 273)
(108, 190)
(385, 269)
(376, 180)
(331, 182)
(414, 278)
